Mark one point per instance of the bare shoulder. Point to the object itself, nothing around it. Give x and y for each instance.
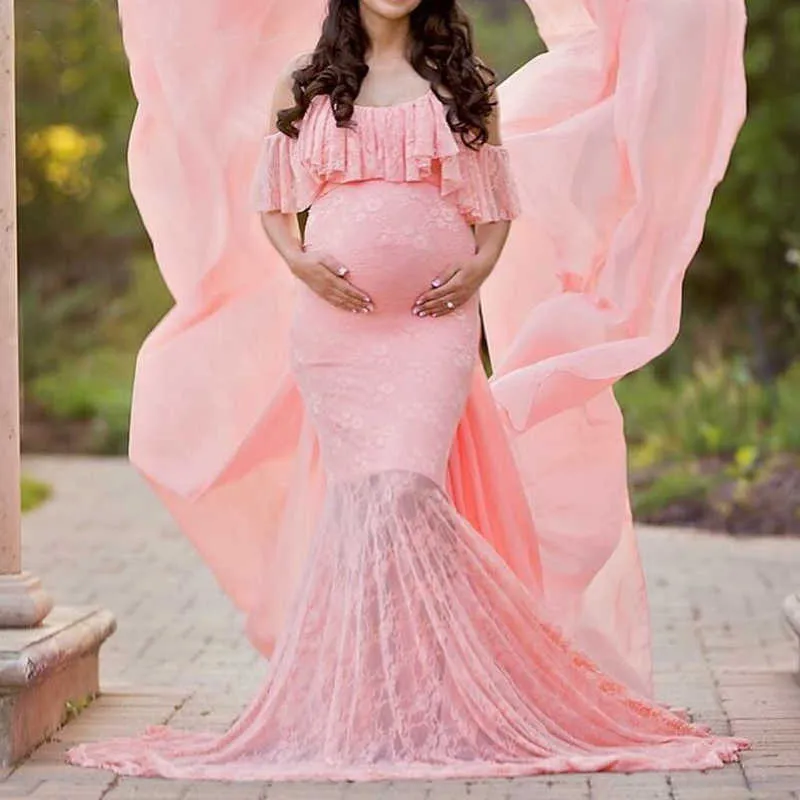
(283, 96)
(299, 61)
(286, 78)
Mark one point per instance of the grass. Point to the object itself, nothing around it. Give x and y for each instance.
(34, 493)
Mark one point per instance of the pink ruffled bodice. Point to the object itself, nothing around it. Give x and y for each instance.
(406, 142)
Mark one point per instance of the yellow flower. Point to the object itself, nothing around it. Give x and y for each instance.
(64, 153)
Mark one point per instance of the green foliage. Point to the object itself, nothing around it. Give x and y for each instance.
(54, 326)
(96, 388)
(715, 448)
(72, 325)
(33, 493)
(74, 113)
(77, 223)
(720, 409)
(127, 319)
(74, 708)
(720, 417)
(680, 484)
(88, 376)
(505, 34)
(749, 261)
(786, 426)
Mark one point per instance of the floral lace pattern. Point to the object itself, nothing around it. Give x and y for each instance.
(385, 389)
(417, 653)
(408, 142)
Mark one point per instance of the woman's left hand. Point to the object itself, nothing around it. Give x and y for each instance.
(450, 290)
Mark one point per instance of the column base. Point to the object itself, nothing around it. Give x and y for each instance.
(23, 601)
(43, 670)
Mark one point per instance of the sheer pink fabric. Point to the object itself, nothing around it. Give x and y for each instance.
(499, 512)
(487, 690)
(618, 136)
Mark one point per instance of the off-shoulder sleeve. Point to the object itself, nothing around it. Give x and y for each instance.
(280, 182)
(488, 192)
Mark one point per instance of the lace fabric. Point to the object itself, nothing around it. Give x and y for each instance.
(408, 142)
(416, 652)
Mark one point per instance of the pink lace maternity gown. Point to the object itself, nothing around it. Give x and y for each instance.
(412, 648)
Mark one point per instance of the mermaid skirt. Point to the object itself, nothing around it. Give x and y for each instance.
(412, 649)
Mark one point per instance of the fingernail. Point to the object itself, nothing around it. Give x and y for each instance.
(365, 310)
(436, 283)
(422, 314)
(418, 303)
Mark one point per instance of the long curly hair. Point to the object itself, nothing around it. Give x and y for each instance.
(440, 50)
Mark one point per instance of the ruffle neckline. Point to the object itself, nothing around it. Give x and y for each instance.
(409, 142)
(398, 142)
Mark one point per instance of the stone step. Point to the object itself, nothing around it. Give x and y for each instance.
(47, 673)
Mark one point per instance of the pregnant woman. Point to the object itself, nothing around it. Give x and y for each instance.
(376, 518)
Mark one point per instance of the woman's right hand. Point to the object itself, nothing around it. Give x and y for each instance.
(327, 277)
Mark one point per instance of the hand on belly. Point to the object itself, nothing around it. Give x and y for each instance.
(328, 278)
(394, 238)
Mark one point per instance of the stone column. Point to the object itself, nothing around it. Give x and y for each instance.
(48, 656)
(22, 600)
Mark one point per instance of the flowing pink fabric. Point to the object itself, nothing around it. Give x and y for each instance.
(443, 570)
(618, 135)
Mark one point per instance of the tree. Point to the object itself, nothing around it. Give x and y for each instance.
(75, 108)
(750, 261)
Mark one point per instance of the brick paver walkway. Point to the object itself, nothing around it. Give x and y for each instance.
(179, 655)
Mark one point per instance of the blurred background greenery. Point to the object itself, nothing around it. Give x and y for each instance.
(712, 424)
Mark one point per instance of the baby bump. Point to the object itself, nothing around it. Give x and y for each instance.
(393, 237)
(385, 390)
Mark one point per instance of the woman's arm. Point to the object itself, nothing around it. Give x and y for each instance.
(490, 237)
(459, 284)
(321, 272)
(282, 230)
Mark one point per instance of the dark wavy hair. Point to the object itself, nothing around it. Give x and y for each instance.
(441, 51)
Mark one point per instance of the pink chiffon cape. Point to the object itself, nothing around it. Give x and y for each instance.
(617, 137)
